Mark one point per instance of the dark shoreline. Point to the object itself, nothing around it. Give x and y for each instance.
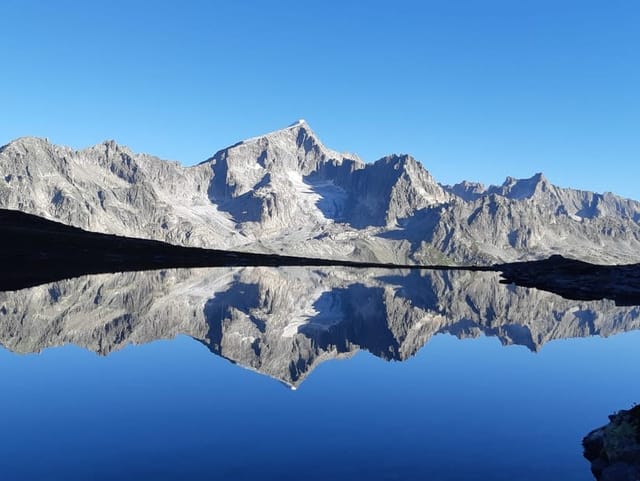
(614, 449)
(34, 251)
(577, 280)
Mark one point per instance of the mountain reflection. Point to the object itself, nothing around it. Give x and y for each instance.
(283, 322)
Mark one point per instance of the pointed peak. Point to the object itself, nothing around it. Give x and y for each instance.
(299, 130)
(539, 177)
(295, 128)
(298, 123)
(406, 165)
(509, 181)
(295, 136)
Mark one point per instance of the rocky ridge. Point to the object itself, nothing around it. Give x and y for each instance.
(286, 192)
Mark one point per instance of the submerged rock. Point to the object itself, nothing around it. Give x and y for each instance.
(614, 449)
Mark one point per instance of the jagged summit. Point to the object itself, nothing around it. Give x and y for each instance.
(521, 188)
(112, 144)
(109, 148)
(34, 145)
(537, 178)
(511, 188)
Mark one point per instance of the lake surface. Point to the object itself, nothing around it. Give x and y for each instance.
(299, 373)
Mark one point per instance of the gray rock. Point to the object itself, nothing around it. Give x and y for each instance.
(286, 192)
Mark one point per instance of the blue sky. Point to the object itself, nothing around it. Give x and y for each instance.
(474, 89)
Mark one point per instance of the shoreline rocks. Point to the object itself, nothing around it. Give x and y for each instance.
(614, 449)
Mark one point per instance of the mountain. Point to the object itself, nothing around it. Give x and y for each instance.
(285, 192)
(284, 322)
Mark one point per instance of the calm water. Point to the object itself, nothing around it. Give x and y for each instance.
(334, 374)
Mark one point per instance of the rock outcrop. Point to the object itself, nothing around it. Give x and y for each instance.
(614, 449)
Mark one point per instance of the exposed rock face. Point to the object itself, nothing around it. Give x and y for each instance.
(109, 189)
(284, 322)
(286, 192)
(614, 449)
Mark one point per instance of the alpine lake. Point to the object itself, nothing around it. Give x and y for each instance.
(307, 373)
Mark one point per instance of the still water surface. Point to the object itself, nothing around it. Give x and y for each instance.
(335, 374)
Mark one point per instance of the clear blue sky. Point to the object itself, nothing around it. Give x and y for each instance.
(474, 89)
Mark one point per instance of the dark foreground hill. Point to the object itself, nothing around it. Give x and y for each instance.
(34, 250)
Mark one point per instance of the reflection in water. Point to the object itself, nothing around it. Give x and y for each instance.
(284, 322)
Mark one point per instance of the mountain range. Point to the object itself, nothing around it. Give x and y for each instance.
(283, 322)
(285, 192)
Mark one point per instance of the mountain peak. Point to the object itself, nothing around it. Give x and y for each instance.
(534, 179)
(34, 144)
(297, 140)
(293, 128)
(521, 188)
(29, 141)
(298, 122)
(30, 146)
(468, 191)
(109, 147)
